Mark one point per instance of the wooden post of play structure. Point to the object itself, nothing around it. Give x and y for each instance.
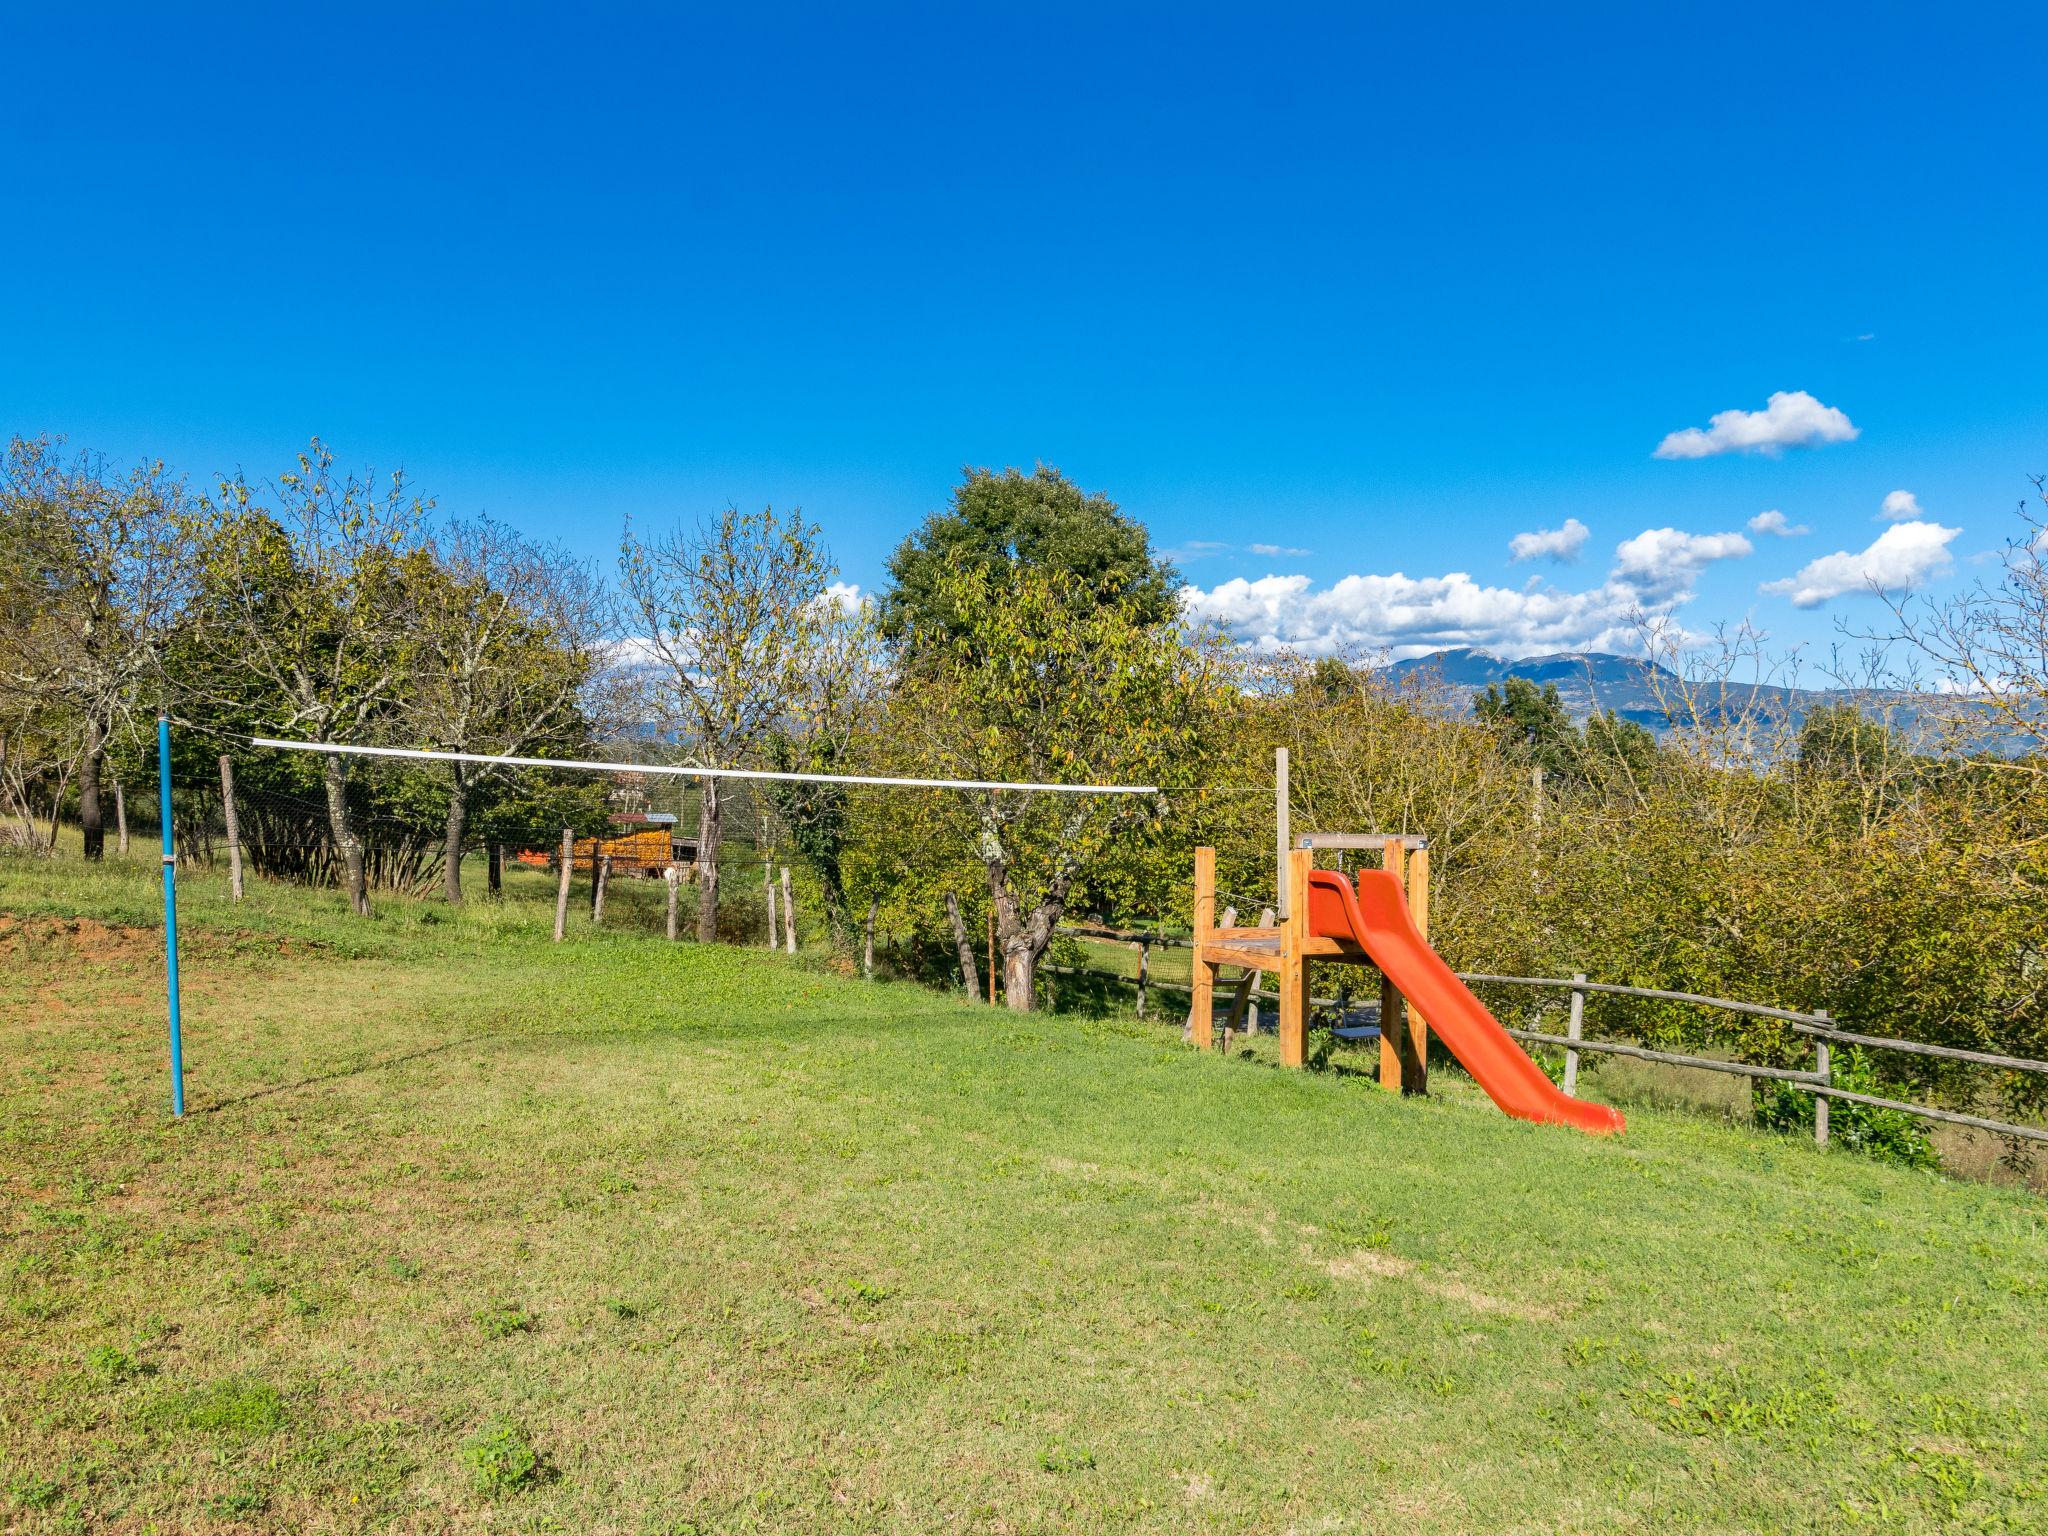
(1394, 1048)
(1293, 957)
(1283, 842)
(562, 890)
(1417, 1081)
(1202, 1016)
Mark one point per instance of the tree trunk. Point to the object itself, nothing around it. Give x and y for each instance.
(341, 826)
(458, 818)
(1020, 977)
(964, 944)
(708, 818)
(90, 820)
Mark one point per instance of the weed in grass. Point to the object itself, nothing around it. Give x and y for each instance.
(861, 1293)
(32, 1492)
(1063, 1456)
(500, 1458)
(502, 1319)
(238, 1407)
(113, 1365)
(402, 1269)
(624, 1311)
(244, 1499)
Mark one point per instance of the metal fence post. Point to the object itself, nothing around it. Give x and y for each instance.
(1573, 1029)
(1824, 1066)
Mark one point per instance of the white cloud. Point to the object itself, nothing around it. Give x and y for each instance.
(1559, 544)
(1654, 573)
(1773, 523)
(1278, 551)
(1662, 563)
(1904, 556)
(1900, 505)
(1789, 419)
(1197, 549)
(843, 595)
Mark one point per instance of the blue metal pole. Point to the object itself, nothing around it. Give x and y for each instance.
(163, 791)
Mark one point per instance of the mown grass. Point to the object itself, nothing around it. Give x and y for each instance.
(467, 1231)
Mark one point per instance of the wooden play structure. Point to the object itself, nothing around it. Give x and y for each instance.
(1287, 949)
(1379, 920)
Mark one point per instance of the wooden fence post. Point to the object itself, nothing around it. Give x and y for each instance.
(1144, 954)
(1824, 1065)
(227, 800)
(494, 868)
(991, 954)
(867, 947)
(121, 818)
(562, 890)
(674, 879)
(788, 913)
(600, 877)
(1574, 1028)
(768, 883)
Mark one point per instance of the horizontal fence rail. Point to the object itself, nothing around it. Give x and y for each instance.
(1815, 1025)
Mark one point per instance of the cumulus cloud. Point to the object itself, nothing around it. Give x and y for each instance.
(1278, 551)
(1904, 556)
(1900, 505)
(1559, 544)
(1789, 419)
(1653, 573)
(1773, 523)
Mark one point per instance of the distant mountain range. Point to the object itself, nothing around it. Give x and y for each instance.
(1592, 681)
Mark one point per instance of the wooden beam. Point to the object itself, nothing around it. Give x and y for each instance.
(1201, 1017)
(1294, 961)
(1393, 1010)
(1415, 1065)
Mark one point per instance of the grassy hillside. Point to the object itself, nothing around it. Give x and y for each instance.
(665, 1239)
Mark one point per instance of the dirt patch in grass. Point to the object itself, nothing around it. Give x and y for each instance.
(1368, 1265)
(82, 938)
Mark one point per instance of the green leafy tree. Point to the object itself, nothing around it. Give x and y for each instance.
(1533, 721)
(998, 521)
(1019, 676)
(93, 577)
(307, 617)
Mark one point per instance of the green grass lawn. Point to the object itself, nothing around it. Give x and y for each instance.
(468, 1231)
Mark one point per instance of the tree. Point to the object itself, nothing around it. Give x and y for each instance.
(1041, 521)
(840, 684)
(1019, 675)
(308, 615)
(726, 613)
(92, 577)
(1532, 721)
(509, 634)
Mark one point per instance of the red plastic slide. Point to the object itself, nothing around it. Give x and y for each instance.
(1376, 918)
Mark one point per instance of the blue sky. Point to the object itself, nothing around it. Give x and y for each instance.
(1383, 286)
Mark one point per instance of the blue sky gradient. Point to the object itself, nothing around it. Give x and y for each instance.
(1386, 286)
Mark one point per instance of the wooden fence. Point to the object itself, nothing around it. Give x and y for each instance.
(1817, 1026)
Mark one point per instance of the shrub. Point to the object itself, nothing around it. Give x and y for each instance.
(1890, 1134)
